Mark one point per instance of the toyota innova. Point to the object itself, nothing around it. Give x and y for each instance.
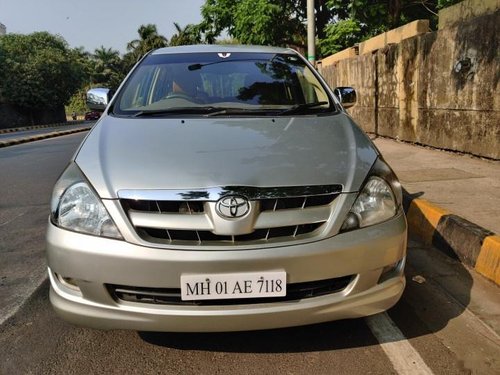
(224, 188)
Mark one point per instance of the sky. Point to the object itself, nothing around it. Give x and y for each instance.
(92, 23)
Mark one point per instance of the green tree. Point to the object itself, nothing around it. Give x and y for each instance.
(446, 3)
(108, 69)
(85, 59)
(339, 35)
(255, 23)
(77, 103)
(148, 39)
(39, 70)
(357, 20)
(339, 23)
(382, 15)
(103, 68)
(268, 22)
(190, 34)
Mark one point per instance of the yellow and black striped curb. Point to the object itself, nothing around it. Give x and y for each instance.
(459, 238)
(38, 137)
(33, 127)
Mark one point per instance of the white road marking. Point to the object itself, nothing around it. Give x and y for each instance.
(402, 355)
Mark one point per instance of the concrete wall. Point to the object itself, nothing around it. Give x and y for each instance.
(359, 73)
(394, 36)
(342, 55)
(11, 117)
(465, 10)
(415, 91)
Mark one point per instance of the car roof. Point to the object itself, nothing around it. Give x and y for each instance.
(221, 48)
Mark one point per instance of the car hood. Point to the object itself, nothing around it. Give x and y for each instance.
(197, 153)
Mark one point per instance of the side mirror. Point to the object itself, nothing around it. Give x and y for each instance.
(98, 99)
(346, 96)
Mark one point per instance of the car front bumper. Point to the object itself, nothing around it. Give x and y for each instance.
(374, 256)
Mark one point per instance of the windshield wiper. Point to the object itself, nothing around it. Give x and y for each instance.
(198, 66)
(207, 111)
(241, 111)
(300, 107)
(176, 110)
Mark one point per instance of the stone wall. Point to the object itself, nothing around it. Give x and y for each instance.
(438, 89)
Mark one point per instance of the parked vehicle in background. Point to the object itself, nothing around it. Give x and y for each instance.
(225, 188)
(92, 116)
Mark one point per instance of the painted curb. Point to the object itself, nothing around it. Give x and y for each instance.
(33, 127)
(38, 137)
(455, 236)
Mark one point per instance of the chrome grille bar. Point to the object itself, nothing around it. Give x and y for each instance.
(159, 210)
(170, 221)
(283, 218)
(213, 194)
(196, 222)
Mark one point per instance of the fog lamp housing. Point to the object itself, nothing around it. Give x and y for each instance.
(68, 283)
(392, 270)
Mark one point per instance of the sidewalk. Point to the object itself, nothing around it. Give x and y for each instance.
(456, 202)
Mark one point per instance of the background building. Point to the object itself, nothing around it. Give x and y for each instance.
(3, 29)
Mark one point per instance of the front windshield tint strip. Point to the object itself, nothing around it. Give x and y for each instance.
(241, 84)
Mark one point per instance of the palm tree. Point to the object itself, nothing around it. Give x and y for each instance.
(190, 34)
(148, 39)
(108, 67)
(106, 56)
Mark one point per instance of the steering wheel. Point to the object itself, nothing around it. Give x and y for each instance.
(179, 95)
(184, 96)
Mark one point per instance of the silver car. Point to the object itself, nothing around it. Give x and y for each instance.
(224, 188)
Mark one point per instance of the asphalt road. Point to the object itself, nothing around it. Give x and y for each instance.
(443, 324)
(28, 173)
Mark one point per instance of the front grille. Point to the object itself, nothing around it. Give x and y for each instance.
(190, 221)
(196, 207)
(188, 207)
(172, 296)
(166, 235)
(301, 202)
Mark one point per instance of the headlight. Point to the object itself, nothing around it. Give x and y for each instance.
(75, 206)
(379, 200)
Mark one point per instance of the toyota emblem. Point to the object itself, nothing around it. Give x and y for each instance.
(232, 207)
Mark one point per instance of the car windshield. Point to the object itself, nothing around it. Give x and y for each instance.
(220, 84)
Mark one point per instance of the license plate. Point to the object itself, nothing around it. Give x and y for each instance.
(233, 285)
